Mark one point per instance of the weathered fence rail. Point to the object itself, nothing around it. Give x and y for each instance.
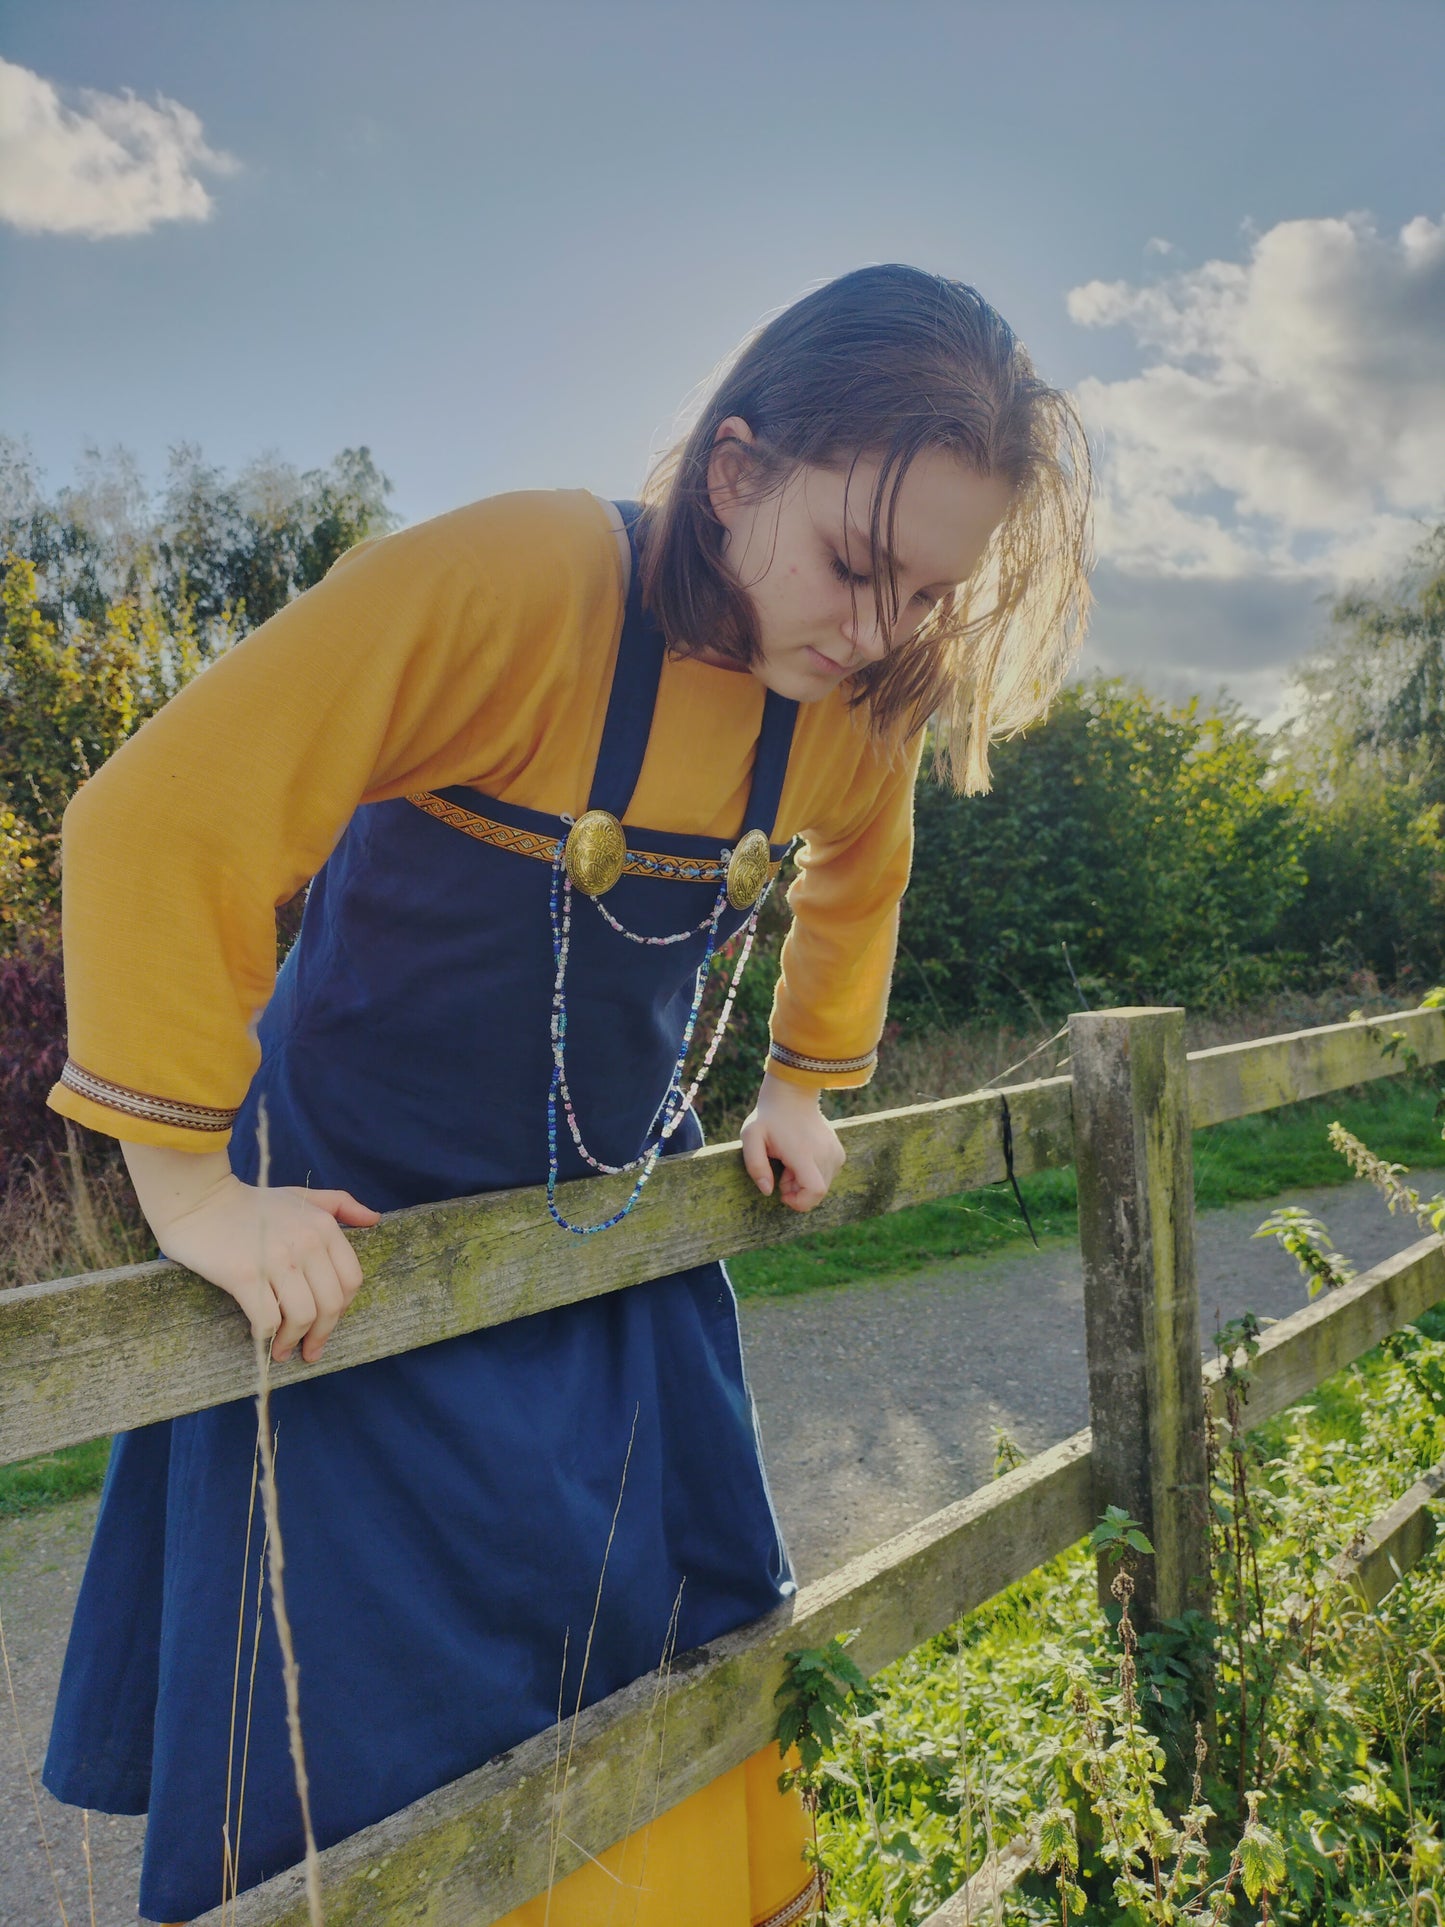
(83, 1356)
(80, 1357)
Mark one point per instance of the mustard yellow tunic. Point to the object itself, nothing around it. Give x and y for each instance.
(476, 649)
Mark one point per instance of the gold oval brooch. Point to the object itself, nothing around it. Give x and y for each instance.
(595, 853)
(749, 867)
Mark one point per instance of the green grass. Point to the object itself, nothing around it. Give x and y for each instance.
(1247, 1157)
(68, 1474)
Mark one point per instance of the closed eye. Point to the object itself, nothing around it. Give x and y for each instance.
(845, 574)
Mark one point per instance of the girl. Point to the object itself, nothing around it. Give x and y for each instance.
(538, 758)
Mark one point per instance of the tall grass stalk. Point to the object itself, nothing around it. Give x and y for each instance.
(290, 1672)
(30, 1780)
(660, 1694)
(561, 1798)
(231, 1843)
(920, 1069)
(70, 1214)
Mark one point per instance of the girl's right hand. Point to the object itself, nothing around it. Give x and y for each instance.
(277, 1250)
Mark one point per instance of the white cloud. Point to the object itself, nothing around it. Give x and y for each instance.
(1179, 638)
(1156, 244)
(111, 165)
(1290, 424)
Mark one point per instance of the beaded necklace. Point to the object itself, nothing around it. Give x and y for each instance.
(675, 1103)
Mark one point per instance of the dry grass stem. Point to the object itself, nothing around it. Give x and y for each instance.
(30, 1777)
(659, 1693)
(582, 1682)
(231, 1844)
(62, 1216)
(89, 1866)
(922, 1068)
(290, 1672)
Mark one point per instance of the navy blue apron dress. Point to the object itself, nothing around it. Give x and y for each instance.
(445, 1512)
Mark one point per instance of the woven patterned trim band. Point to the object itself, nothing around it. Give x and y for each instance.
(795, 1060)
(502, 836)
(798, 1906)
(158, 1110)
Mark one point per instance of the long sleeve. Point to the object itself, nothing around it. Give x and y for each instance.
(474, 649)
(413, 665)
(837, 961)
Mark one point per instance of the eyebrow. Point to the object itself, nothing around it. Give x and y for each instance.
(860, 537)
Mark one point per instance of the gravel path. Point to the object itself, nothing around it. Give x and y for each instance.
(877, 1403)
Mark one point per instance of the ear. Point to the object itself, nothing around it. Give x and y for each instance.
(726, 466)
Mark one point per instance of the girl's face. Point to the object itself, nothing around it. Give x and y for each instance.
(801, 555)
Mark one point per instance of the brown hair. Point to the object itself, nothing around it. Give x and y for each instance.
(890, 361)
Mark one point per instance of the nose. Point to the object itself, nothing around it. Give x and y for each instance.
(862, 629)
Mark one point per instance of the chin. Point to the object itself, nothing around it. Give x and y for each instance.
(799, 679)
(801, 685)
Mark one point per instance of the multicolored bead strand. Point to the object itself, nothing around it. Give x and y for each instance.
(674, 1105)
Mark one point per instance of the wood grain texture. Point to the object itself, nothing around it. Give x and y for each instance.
(1397, 1540)
(1134, 1157)
(81, 1357)
(1303, 1350)
(1236, 1080)
(977, 1902)
(467, 1853)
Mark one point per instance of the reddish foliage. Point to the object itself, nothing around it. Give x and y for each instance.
(32, 1052)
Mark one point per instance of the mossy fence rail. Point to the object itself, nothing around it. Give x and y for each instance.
(81, 1357)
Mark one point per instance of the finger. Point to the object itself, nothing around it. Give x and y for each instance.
(258, 1302)
(804, 1187)
(345, 1263)
(755, 1158)
(330, 1301)
(298, 1307)
(342, 1206)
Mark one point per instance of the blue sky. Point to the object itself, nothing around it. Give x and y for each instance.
(501, 243)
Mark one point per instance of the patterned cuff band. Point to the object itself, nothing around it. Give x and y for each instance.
(795, 1060)
(800, 1906)
(156, 1110)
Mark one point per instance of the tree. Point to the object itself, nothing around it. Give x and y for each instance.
(1378, 687)
(1156, 841)
(110, 601)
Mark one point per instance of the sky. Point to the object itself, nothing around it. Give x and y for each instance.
(502, 244)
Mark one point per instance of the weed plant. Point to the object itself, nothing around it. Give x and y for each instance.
(1038, 1720)
(1304, 1787)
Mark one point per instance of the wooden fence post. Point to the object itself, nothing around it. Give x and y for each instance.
(1133, 1154)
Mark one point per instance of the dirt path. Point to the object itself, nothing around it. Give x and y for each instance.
(877, 1404)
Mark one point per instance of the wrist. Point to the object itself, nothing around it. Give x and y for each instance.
(785, 1090)
(169, 1183)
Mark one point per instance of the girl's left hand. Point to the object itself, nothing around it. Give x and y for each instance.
(786, 1124)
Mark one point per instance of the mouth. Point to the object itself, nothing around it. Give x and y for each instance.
(825, 663)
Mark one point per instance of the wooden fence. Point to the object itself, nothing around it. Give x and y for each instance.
(80, 1357)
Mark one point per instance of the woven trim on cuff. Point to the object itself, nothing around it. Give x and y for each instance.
(829, 1066)
(158, 1110)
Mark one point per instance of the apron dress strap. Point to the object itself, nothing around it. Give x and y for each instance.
(633, 699)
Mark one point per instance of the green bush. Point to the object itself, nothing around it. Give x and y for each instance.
(111, 601)
(1147, 838)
